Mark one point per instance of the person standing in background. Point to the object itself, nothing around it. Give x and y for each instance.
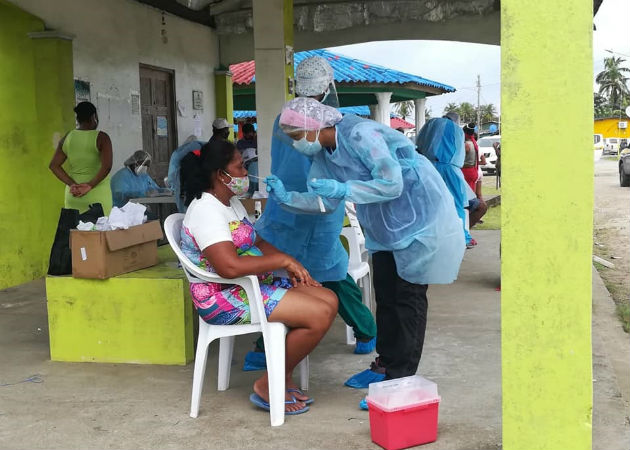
(87, 154)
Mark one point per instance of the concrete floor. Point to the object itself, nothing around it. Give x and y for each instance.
(89, 405)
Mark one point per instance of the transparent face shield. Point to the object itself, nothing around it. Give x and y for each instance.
(330, 96)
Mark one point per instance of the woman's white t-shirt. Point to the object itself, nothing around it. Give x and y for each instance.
(208, 220)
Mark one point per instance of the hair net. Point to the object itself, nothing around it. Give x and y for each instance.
(138, 157)
(313, 76)
(307, 114)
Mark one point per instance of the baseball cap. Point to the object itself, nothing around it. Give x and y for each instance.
(220, 123)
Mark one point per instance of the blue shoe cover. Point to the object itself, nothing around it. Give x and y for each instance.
(255, 361)
(363, 348)
(363, 405)
(363, 379)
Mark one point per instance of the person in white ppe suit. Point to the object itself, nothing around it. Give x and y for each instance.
(407, 212)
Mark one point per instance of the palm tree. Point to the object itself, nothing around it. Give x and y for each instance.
(404, 109)
(451, 107)
(467, 112)
(427, 113)
(612, 81)
(488, 113)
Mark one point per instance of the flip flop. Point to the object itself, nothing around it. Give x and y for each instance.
(308, 401)
(261, 403)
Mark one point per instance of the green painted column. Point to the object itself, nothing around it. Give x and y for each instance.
(547, 115)
(224, 98)
(36, 99)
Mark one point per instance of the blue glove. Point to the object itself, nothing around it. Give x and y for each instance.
(276, 189)
(329, 188)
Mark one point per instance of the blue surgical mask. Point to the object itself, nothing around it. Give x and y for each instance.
(307, 147)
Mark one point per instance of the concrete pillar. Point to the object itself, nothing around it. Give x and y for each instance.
(224, 104)
(273, 42)
(546, 256)
(380, 112)
(419, 108)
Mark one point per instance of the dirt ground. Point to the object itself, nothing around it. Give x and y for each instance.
(611, 232)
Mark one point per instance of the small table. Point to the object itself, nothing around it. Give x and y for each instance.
(156, 199)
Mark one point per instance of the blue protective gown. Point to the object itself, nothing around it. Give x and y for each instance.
(126, 184)
(402, 202)
(442, 143)
(311, 239)
(173, 170)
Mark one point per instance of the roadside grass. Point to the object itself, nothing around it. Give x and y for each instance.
(611, 279)
(492, 219)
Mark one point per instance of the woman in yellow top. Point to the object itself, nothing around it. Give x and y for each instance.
(89, 160)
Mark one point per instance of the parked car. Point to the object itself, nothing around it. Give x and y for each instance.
(486, 148)
(611, 145)
(624, 168)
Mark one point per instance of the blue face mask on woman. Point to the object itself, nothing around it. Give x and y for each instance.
(307, 147)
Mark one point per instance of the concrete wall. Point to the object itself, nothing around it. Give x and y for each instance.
(36, 100)
(610, 127)
(112, 38)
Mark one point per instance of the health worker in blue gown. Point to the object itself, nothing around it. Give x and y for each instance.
(407, 212)
(314, 239)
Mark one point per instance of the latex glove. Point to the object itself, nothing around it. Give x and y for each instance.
(329, 188)
(276, 189)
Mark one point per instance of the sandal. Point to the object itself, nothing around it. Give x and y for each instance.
(261, 403)
(308, 401)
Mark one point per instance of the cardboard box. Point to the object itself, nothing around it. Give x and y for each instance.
(250, 204)
(104, 254)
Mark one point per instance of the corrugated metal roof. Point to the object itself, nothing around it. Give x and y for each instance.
(347, 70)
(395, 121)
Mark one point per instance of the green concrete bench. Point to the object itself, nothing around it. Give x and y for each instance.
(143, 317)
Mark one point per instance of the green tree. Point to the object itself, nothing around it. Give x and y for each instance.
(427, 113)
(488, 113)
(451, 107)
(613, 82)
(404, 109)
(467, 112)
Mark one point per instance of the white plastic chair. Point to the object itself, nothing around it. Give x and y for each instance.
(274, 333)
(358, 266)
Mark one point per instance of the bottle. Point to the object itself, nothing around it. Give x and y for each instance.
(257, 209)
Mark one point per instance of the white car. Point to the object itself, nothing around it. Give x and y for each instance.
(486, 148)
(611, 145)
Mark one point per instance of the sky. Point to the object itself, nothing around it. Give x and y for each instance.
(458, 63)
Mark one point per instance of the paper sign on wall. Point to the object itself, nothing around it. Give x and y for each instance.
(162, 126)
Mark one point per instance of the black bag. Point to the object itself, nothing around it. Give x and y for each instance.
(60, 262)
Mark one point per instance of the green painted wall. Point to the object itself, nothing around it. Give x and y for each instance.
(224, 105)
(36, 100)
(547, 216)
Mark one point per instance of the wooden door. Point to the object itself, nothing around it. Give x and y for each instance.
(159, 132)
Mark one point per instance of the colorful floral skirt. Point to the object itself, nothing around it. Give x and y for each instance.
(223, 304)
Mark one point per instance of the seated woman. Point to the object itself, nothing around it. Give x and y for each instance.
(217, 236)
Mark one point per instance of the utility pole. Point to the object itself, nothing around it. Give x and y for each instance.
(479, 103)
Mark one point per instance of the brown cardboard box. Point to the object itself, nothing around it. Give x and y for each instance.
(104, 254)
(250, 203)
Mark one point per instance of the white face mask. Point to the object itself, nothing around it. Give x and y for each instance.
(141, 170)
(238, 185)
(307, 147)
